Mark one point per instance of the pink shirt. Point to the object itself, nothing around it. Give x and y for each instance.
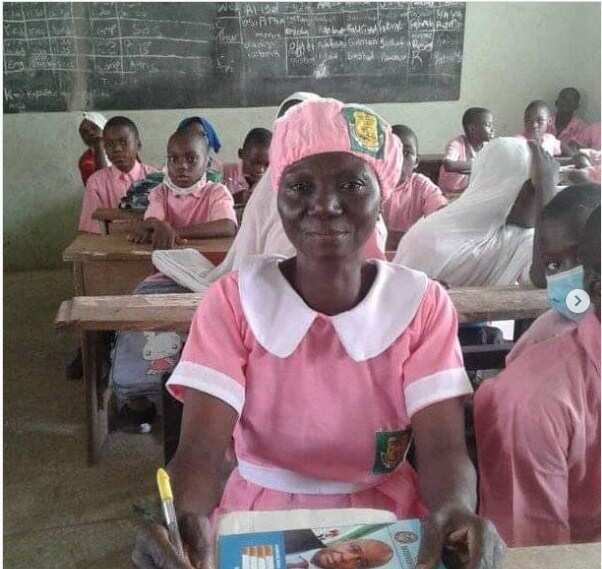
(549, 143)
(234, 179)
(211, 202)
(590, 138)
(105, 189)
(314, 393)
(457, 149)
(572, 131)
(538, 440)
(415, 198)
(548, 325)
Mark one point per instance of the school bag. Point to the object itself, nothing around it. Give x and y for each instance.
(136, 197)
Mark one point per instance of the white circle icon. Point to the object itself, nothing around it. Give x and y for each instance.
(577, 301)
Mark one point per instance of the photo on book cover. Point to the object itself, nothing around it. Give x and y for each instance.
(370, 546)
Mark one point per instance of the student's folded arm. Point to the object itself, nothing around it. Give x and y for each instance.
(217, 228)
(459, 166)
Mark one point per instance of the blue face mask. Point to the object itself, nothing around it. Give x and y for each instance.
(559, 286)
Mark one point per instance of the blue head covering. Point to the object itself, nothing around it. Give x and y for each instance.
(210, 134)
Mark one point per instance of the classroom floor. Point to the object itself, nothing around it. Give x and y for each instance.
(59, 512)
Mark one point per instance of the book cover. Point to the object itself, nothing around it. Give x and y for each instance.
(384, 546)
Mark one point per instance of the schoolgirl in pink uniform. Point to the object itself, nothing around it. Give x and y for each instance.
(186, 205)
(254, 158)
(323, 366)
(537, 120)
(565, 125)
(555, 264)
(414, 197)
(538, 429)
(106, 187)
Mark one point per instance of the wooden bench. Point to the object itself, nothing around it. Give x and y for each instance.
(429, 166)
(93, 316)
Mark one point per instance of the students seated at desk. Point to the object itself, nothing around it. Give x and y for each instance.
(485, 237)
(186, 205)
(460, 152)
(241, 177)
(537, 120)
(555, 265)
(95, 158)
(415, 195)
(538, 429)
(282, 357)
(106, 187)
(565, 125)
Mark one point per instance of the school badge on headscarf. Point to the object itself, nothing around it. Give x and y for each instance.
(365, 131)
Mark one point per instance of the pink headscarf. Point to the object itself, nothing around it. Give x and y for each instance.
(326, 125)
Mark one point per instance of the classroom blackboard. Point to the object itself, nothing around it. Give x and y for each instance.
(62, 56)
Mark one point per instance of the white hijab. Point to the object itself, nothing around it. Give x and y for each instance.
(468, 243)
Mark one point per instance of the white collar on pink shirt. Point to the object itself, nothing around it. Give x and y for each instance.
(280, 319)
(132, 174)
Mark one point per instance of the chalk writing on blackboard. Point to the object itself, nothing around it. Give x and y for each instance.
(167, 55)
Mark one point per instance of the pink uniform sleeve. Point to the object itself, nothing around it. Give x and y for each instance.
(221, 205)
(454, 150)
(156, 204)
(432, 196)
(91, 202)
(214, 356)
(435, 370)
(522, 462)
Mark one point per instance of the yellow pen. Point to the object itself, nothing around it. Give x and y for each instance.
(169, 511)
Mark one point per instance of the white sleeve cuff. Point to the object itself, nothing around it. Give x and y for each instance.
(439, 386)
(207, 380)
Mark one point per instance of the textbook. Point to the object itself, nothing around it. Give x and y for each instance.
(392, 545)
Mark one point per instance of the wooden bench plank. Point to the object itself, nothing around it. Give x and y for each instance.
(64, 316)
(175, 311)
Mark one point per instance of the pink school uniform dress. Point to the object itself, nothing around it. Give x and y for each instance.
(457, 149)
(234, 178)
(549, 143)
(590, 138)
(105, 189)
(572, 131)
(538, 440)
(417, 197)
(548, 325)
(324, 402)
(210, 201)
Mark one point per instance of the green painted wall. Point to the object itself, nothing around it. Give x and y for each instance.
(513, 53)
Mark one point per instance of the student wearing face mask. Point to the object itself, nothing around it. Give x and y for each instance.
(538, 429)
(555, 265)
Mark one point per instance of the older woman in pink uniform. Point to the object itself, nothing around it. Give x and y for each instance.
(323, 366)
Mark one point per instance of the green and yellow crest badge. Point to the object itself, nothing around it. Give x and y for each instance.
(391, 449)
(366, 132)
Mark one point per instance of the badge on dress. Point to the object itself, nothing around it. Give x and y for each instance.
(391, 449)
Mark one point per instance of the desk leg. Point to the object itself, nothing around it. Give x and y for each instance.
(97, 394)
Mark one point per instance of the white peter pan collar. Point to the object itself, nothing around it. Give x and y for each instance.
(280, 319)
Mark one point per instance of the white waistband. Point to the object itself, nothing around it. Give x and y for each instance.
(288, 481)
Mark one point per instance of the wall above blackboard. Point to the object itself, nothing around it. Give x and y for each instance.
(103, 55)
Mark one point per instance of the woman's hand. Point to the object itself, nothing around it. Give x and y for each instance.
(473, 541)
(153, 549)
(545, 168)
(165, 236)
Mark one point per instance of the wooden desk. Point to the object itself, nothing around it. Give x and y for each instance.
(110, 264)
(94, 315)
(573, 556)
(124, 218)
(429, 166)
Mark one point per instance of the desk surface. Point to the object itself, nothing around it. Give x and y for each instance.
(174, 311)
(116, 247)
(575, 556)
